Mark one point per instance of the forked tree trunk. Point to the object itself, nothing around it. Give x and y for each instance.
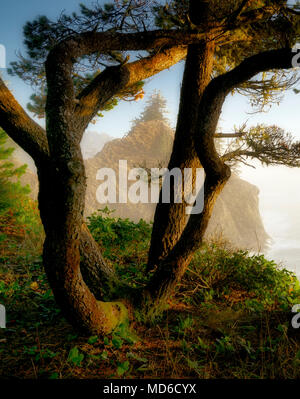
(172, 267)
(173, 264)
(62, 194)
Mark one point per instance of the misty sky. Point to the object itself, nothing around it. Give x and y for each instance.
(279, 193)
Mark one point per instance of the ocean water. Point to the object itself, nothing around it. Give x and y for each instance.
(287, 257)
(284, 229)
(279, 203)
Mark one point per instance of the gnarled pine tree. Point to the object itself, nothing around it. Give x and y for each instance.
(225, 45)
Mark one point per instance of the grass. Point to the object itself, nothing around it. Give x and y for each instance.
(229, 317)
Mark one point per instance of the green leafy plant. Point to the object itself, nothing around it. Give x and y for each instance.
(244, 280)
(224, 345)
(124, 243)
(75, 357)
(92, 340)
(123, 367)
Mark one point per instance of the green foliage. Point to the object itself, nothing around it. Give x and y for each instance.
(123, 367)
(75, 357)
(276, 29)
(224, 345)
(124, 333)
(216, 274)
(271, 145)
(92, 340)
(19, 215)
(184, 324)
(172, 14)
(10, 192)
(227, 320)
(124, 243)
(116, 231)
(38, 353)
(154, 110)
(37, 104)
(248, 281)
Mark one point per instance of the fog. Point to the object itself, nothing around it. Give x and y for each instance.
(279, 201)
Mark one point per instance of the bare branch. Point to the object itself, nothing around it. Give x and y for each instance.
(228, 135)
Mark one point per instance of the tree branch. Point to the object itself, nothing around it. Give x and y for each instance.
(20, 127)
(265, 61)
(255, 15)
(292, 11)
(61, 58)
(228, 135)
(214, 97)
(233, 17)
(270, 159)
(113, 79)
(88, 43)
(271, 145)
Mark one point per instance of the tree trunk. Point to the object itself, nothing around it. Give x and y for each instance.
(96, 272)
(61, 200)
(61, 213)
(172, 266)
(170, 219)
